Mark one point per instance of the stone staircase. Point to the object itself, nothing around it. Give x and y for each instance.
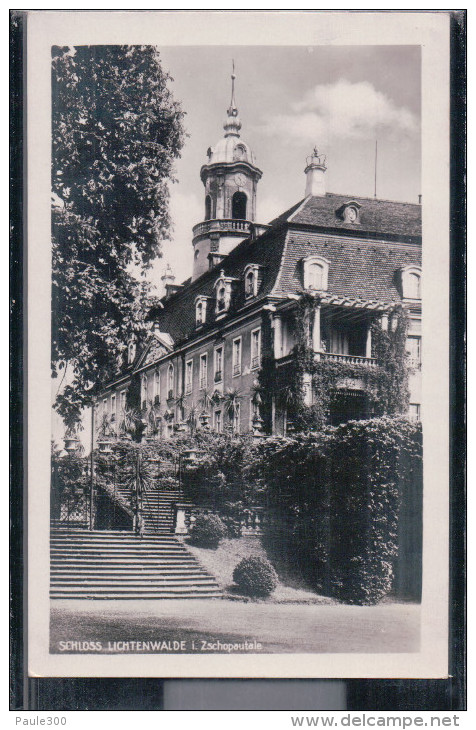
(121, 565)
(158, 510)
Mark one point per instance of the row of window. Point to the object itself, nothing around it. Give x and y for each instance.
(315, 273)
(223, 293)
(219, 417)
(218, 362)
(218, 368)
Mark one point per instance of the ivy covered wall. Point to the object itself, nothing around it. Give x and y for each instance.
(384, 385)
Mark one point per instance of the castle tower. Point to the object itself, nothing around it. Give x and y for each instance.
(230, 179)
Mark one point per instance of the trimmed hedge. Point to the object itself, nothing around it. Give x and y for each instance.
(255, 576)
(207, 531)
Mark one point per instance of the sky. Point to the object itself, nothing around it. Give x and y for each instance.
(339, 98)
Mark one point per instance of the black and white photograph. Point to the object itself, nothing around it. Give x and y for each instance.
(239, 398)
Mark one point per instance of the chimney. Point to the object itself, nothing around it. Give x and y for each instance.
(315, 174)
(168, 280)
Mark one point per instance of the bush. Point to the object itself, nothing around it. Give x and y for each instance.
(207, 531)
(255, 576)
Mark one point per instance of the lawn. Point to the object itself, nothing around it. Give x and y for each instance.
(220, 562)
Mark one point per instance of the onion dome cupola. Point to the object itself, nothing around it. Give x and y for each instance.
(230, 178)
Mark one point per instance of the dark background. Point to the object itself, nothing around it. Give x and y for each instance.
(319, 695)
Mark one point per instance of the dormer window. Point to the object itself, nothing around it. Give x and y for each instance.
(251, 280)
(221, 299)
(315, 273)
(410, 281)
(131, 352)
(223, 293)
(200, 310)
(349, 212)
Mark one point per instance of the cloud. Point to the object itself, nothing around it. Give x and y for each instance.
(343, 110)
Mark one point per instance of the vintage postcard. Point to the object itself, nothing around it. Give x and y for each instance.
(238, 246)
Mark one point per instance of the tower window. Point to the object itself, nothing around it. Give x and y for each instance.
(238, 206)
(208, 208)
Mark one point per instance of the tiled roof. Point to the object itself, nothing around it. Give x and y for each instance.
(385, 217)
(365, 269)
(362, 268)
(178, 315)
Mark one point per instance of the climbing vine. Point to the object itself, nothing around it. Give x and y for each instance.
(385, 384)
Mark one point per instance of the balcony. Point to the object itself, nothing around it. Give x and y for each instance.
(234, 226)
(370, 362)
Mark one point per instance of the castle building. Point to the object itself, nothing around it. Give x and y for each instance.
(358, 260)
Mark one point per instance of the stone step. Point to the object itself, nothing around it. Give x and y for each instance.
(135, 595)
(134, 571)
(125, 589)
(119, 564)
(92, 581)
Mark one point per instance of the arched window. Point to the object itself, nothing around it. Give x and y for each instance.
(208, 208)
(413, 291)
(223, 293)
(131, 352)
(411, 282)
(315, 276)
(316, 271)
(251, 280)
(221, 299)
(238, 206)
(199, 312)
(250, 283)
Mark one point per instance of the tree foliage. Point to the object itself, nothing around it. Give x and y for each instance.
(116, 131)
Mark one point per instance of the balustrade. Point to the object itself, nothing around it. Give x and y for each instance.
(350, 359)
(221, 224)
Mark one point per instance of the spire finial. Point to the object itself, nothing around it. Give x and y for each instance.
(233, 111)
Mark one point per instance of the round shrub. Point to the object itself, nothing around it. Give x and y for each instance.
(255, 576)
(207, 531)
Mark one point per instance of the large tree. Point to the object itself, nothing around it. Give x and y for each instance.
(116, 131)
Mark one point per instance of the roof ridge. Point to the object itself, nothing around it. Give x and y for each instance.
(367, 197)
